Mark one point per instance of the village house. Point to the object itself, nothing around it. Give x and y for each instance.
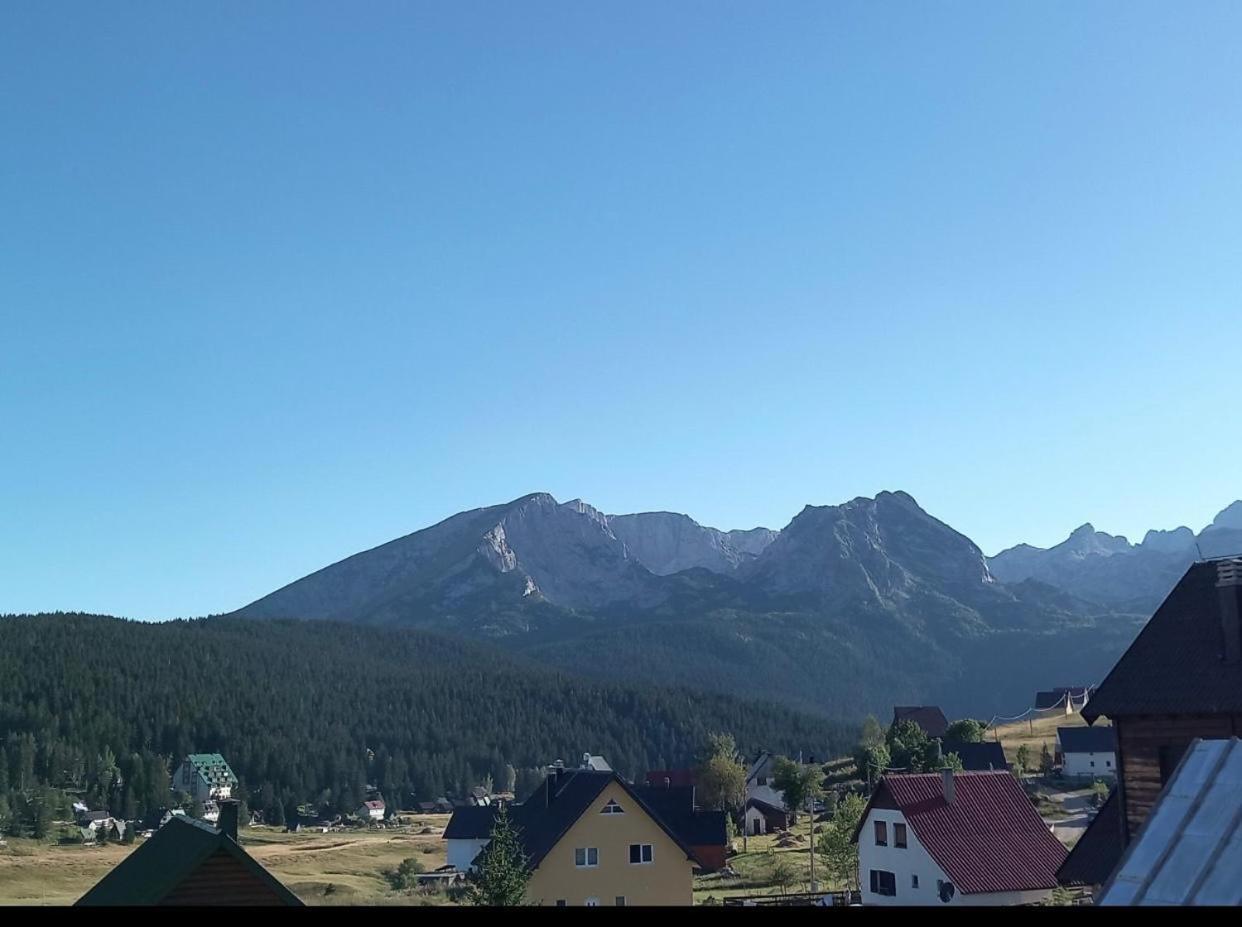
(1087, 752)
(189, 862)
(762, 817)
(760, 791)
(1189, 851)
(590, 839)
(1067, 698)
(371, 810)
(1180, 679)
(965, 838)
(205, 777)
(93, 822)
(929, 717)
(977, 757)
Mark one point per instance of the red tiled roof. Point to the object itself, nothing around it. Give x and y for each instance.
(990, 839)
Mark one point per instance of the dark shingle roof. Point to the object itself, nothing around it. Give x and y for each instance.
(1175, 664)
(675, 806)
(155, 868)
(990, 839)
(1101, 739)
(473, 822)
(983, 756)
(542, 822)
(929, 717)
(1097, 851)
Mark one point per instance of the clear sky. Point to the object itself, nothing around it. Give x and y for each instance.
(282, 281)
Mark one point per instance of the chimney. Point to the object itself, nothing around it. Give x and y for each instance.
(227, 822)
(1229, 585)
(586, 761)
(668, 783)
(946, 780)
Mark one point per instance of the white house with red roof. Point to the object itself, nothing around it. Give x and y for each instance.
(371, 810)
(966, 838)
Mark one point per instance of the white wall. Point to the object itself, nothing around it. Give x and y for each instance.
(915, 860)
(755, 817)
(1079, 764)
(461, 853)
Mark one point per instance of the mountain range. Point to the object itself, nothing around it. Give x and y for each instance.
(847, 609)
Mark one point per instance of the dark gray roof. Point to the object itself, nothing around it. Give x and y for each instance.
(675, 806)
(1175, 664)
(548, 813)
(1101, 739)
(156, 867)
(473, 822)
(988, 754)
(1189, 850)
(929, 717)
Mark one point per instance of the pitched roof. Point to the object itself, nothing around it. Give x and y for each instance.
(374, 805)
(1102, 739)
(1189, 850)
(675, 806)
(212, 767)
(549, 812)
(929, 717)
(1175, 664)
(472, 822)
(987, 754)
(155, 868)
(1094, 856)
(675, 777)
(990, 839)
(1054, 697)
(598, 763)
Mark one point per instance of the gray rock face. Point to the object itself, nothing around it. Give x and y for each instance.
(1179, 540)
(530, 549)
(1109, 570)
(882, 549)
(666, 542)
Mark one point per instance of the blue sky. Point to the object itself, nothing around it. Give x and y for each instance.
(282, 281)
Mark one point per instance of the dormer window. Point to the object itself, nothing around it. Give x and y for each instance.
(612, 808)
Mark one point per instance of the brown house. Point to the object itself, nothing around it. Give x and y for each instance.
(929, 717)
(1180, 680)
(189, 862)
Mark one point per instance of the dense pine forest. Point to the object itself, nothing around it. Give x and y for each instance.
(311, 712)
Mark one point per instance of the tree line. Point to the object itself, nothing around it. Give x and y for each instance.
(317, 713)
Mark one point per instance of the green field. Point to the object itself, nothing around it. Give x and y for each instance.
(341, 867)
(347, 867)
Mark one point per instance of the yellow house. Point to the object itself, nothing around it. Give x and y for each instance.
(589, 839)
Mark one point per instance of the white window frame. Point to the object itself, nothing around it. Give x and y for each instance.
(586, 857)
(644, 849)
(612, 808)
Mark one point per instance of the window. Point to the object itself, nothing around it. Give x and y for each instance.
(611, 808)
(586, 856)
(560, 902)
(881, 834)
(914, 881)
(620, 901)
(1093, 764)
(640, 853)
(899, 835)
(592, 902)
(883, 883)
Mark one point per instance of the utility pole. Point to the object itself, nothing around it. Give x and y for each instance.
(811, 803)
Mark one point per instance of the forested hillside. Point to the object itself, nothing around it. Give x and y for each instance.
(316, 711)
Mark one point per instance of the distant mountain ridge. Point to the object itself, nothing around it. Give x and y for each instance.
(1111, 571)
(849, 608)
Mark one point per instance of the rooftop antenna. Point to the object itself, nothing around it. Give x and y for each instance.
(1199, 550)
